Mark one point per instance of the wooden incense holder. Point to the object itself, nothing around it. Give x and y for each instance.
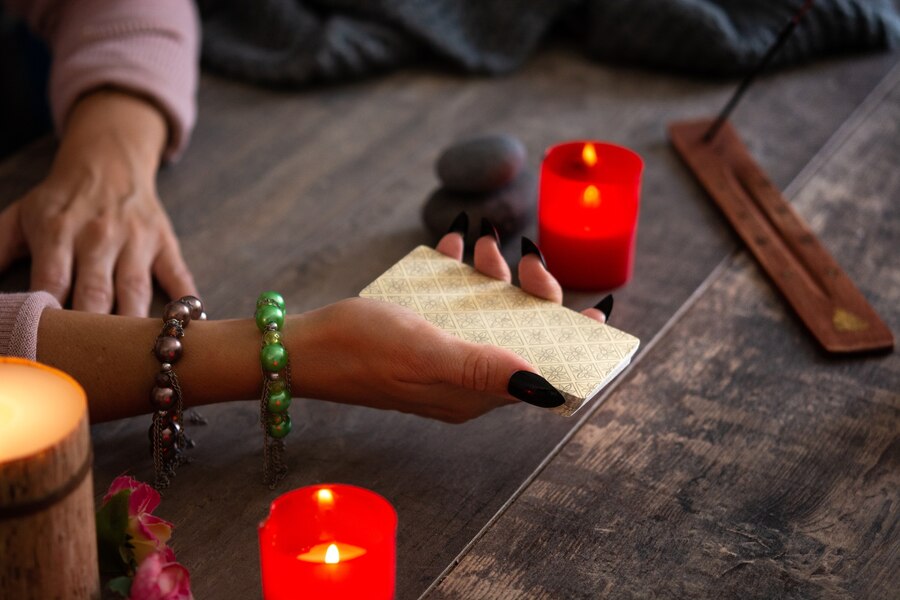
(824, 297)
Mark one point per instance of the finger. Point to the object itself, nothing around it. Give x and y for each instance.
(475, 367)
(601, 310)
(134, 283)
(534, 277)
(51, 258)
(172, 271)
(12, 238)
(454, 242)
(594, 314)
(96, 252)
(488, 259)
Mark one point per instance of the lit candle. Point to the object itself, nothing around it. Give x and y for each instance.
(329, 541)
(587, 213)
(47, 528)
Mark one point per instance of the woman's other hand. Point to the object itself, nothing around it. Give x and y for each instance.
(95, 227)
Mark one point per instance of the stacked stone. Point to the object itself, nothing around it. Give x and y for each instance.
(487, 178)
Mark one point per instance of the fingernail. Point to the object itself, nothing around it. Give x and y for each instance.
(605, 306)
(487, 228)
(529, 247)
(460, 225)
(534, 389)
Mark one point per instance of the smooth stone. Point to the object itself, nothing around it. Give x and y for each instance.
(482, 164)
(269, 313)
(511, 209)
(273, 357)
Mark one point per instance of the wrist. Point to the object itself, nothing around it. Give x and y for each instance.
(113, 127)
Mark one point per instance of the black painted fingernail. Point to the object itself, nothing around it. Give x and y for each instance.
(529, 247)
(460, 225)
(487, 228)
(534, 389)
(605, 306)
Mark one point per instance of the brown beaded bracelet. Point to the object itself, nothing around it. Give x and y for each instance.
(167, 438)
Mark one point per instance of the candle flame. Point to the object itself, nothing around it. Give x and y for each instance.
(332, 555)
(589, 155)
(325, 496)
(591, 197)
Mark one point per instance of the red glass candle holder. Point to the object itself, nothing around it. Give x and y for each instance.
(329, 541)
(587, 213)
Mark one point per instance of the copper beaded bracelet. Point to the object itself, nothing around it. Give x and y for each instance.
(276, 392)
(167, 438)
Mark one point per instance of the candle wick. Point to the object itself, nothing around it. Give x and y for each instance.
(759, 68)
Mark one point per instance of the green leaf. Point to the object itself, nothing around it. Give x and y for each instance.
(112, 521)
(120, 585)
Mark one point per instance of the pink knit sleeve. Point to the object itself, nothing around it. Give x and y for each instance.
(20, 315)
(148, 47)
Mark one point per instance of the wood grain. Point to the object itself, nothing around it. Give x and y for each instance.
(815, 285)
(316, 193)
(739, 460)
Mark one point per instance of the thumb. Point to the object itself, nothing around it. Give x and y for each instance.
(12, 238)
(497, 371)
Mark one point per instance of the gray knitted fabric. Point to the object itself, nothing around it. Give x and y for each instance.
(294, 42)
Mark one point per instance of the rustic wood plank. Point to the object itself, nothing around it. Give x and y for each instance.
(326, 186)
(738, 460)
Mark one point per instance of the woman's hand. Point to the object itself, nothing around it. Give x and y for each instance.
(97, 217)
(383, 355)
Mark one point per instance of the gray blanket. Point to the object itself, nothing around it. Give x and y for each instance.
(295, 42)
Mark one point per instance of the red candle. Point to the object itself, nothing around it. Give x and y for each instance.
(587, 213)
(328, 541)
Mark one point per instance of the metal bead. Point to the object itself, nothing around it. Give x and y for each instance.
(273, 375)
(271, 297)
(168, 349)
(172, 329)
(203, 316)
(165, 367)
(194, 303)
(163, 398)
(179, 311)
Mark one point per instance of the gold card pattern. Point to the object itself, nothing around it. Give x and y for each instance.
(578, 355)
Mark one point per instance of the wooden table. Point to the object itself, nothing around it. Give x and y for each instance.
(732, 459)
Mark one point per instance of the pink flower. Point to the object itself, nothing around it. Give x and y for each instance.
(161, 578)
(148, 534)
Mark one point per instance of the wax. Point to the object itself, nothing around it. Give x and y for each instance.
(329, 541)
(587, 213)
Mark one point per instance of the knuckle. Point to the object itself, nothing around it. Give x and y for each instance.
(478, 367)
(101, 229)
(52, 278)
(95, 292)
(134, 284)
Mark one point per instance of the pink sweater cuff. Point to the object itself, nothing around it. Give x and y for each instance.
(149, 48)
(20, 315)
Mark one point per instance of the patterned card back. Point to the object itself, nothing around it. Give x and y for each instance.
(578, 355)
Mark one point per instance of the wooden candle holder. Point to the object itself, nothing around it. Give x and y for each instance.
(820, 292)
(48, 544)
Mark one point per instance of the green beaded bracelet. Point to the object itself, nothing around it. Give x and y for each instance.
(276, 395)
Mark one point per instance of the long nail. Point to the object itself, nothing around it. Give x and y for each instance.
(460, 225)
(487, 228)
(529, 247)
(605, 306)
(534, 389)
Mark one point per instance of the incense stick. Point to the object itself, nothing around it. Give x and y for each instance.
(759, 68)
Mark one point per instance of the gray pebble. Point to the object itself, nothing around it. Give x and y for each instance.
(510, 209)
(481, 164)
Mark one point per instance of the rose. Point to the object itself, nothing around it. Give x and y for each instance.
(132, 545)
(159, 577)
(146, 533)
